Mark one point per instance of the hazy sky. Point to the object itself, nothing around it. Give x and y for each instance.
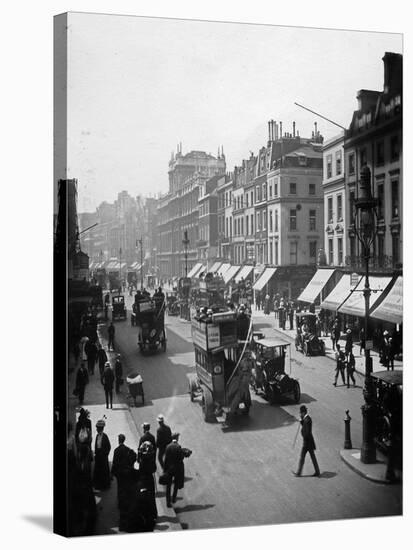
(138, 86)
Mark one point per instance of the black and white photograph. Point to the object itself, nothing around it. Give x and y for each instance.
(230, 205)
(225, 297)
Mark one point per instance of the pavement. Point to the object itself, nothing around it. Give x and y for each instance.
(118, 420)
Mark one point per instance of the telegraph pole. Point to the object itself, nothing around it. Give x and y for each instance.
(120, 267)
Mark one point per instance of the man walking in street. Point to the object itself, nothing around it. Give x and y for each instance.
(111, 337)
(107, 381)
(163, 438)
(82, 380)
(308, 443)
(118, 373)
(174, 468)
(122, 468)
(340, 365)
(350, 368)
(102, 358)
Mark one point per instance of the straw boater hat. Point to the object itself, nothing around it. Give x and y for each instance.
(100, 423)
(160, 418)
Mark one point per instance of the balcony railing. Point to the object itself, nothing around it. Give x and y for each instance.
(385, 263)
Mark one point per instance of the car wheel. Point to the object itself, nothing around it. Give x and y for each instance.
(207, 405)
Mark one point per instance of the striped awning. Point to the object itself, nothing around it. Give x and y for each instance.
(339, 293)
(244, 273)
(230, 273)
(355, 303)
(264, 278)
(115, 265)
(223, 269)
(194, 270)
(215, 267)
(390, 308)
(316, 285)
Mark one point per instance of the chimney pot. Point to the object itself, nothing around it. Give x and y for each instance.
(294, 129)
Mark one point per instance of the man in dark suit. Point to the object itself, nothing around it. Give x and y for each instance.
(147, 436)
(163, 438)
(174, 467)
(82, 380)
(122, 469)
(308, 442)
(108, 379)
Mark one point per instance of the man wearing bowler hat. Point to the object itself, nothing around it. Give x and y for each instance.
(308, 443)
(163, 438)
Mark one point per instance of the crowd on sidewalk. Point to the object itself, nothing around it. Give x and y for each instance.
(89, 468)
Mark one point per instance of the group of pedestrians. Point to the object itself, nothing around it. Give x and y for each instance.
(345, 361)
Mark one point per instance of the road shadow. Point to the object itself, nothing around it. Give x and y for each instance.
(328, 475)
(305, 398)
(193, 508)
(262, 416)
(44, 522)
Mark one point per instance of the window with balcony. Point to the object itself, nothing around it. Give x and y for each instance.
(338, 163)
(276, 220)
(395, 198)
(252, 224)
(293, 253)
(311, 188)
(394, 148)
(246, 225)
(330, 210)
(330, 252)
(276, 253)
(293, 220)
(275, 189)
(340, 250)
(242, 226)
(329, 166)
(270, 221)
(380, 153)
(264, 220)
(312, 217)
(293, 188)
(270, 190)
(312, 250)
(339, 208)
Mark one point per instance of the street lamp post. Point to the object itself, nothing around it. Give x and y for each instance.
(141, 247)
(185, 242)
(120, 267)
(366, 230)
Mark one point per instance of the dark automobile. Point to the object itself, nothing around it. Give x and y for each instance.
(307, 340)
(270, 357)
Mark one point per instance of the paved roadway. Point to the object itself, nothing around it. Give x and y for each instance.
(243, 475)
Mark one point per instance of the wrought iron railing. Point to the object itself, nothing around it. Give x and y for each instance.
(376, 262)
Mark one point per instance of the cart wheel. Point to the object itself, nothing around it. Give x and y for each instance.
(297, 392)
(207, 406)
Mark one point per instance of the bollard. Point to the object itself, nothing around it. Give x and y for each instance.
(347, 433)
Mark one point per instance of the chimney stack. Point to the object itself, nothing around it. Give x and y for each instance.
(272, 130)
(276, 130)
(269, 130)
(293, 129)
(281, 129)
(315, 129)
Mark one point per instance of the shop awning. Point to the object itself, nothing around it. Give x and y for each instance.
(391, 307)
(194, 270)
(316, 285)
(339, 293)
(243, 274)
(223, 269)
(135, 266)
(215, 267)
(115, 265)
(264, 278)
(230, 273)
(355, 304)
(201, 271)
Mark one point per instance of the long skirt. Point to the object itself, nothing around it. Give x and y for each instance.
(101, 473)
